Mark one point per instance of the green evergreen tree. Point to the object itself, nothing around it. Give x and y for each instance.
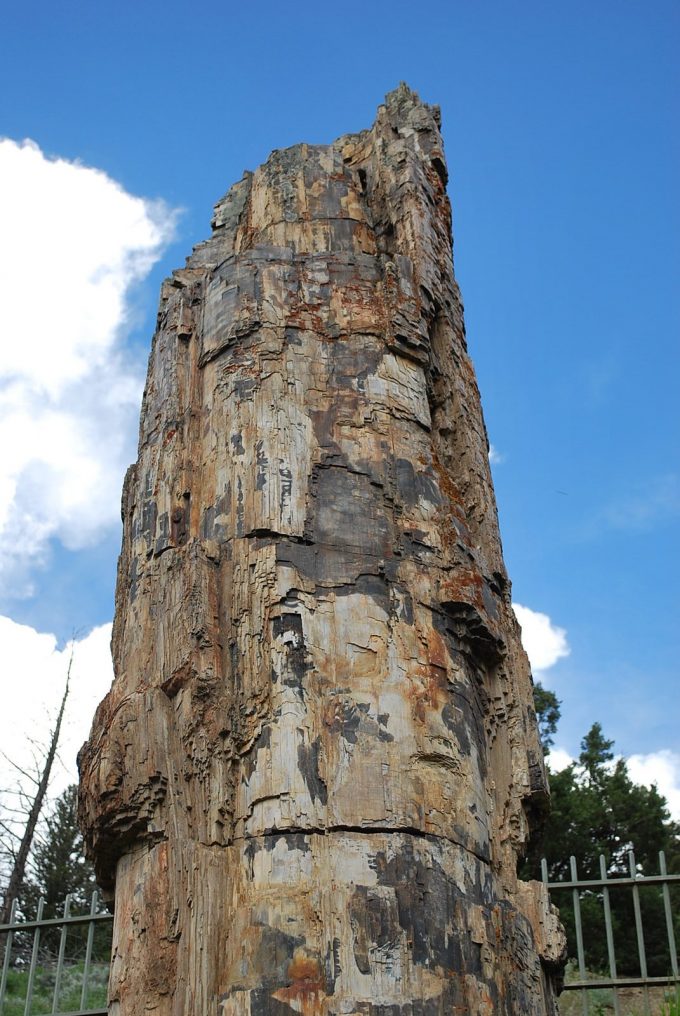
(58, 864)
(548, 712)
(596, 808)
(59, 868)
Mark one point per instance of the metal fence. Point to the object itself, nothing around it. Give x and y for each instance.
(45, 969)
(601, 888)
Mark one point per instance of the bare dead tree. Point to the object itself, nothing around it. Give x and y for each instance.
(18, 846)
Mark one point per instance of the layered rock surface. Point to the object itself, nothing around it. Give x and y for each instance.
(317, 765)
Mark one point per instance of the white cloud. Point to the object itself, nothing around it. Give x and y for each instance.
(662, 768)
(72, 245)
(495, 457)
(543, 641)
(559, 759)
(658, 767)
(32, 685)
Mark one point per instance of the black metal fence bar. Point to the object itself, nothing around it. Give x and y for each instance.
(606, 883)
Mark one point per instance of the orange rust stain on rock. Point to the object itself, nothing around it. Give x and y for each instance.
(437, 652)
(305, 993)
(305, 968)
(449, 532)
(427, 690)
(465, 585)
(465, 365)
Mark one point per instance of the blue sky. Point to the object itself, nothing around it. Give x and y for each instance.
(560, 125)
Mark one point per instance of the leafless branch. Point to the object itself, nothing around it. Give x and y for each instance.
(20, 862)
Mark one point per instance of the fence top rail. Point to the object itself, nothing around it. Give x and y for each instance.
(54, 922)
(614, 881)
(85, 1012)
(620, 982)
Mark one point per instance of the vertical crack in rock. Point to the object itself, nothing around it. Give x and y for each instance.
(318, 763)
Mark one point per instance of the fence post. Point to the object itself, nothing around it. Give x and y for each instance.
(8, 954)
(34, 959)
(60, 958)
(88, 951)
(579, 935)
(669, 916)
(609, 931)
(638, 929)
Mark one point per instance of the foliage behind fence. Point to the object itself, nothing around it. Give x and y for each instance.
(56, 965)
(595, 895)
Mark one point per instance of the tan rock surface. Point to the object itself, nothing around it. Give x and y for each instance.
(315, 770)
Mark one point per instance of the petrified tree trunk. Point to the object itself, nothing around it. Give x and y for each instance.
(316, 767)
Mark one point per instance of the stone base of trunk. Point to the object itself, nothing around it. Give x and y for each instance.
(379, 923)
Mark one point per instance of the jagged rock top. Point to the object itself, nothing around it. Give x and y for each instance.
(240, 221)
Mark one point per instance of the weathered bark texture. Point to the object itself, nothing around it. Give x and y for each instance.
(317, 764)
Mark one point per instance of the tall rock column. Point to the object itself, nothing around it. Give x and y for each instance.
(318, 763)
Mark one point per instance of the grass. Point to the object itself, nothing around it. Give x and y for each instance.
(671, 1006)
(43, 989)
(662, 1001)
